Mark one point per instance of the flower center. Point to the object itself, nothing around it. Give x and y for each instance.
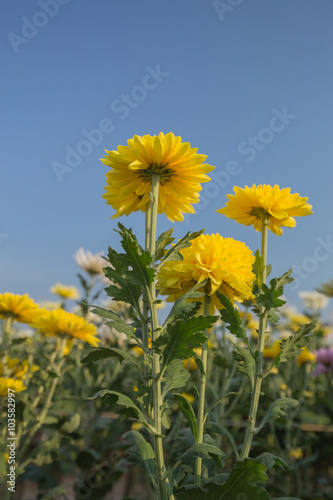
(163, 171)
(258, 211)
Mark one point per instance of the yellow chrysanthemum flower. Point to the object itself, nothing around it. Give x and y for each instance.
(226, 263)
(180, 168)
(247, 205)
(10, 383)
(18, 307)
(59, 322)
(64, 291)
(17, 368)
(295, 453)
(306, 357)
(272, 351)
(190, 398)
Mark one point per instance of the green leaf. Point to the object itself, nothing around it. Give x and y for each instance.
(276, 410)
(187, 410)
(126, 406)
(175, 376)
(246, 362)
(141, 453)
(138, 272)
(72, 424)
(162, 241)
(125, 291)
(291, 347)
(109, 352)
(213, 428)
(115, 322)
(269, 296)
(181, 338)
(184, 309)
(272, 462)
(174, 252)
(231, 315)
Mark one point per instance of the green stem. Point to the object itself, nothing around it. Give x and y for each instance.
(201, 403)
(258, 377)
(165, 492)
(47, 402)
(145, 312)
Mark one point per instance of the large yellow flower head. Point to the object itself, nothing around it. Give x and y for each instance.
(247, 205)
(18, 307)
(226, 263)
(10, 383)
(59, 322)
(180, 168)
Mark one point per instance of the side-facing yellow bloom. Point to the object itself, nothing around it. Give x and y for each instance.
(18, 307)
(10, 383)
(247, 205)
(272, 351)
(17, 368)
(226, 263)
(64, 291)
(59, 322)
(180, 168)
(306, 356)
(295, 453)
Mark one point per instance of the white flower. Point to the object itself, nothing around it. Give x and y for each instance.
(314, 301)
(91, 263)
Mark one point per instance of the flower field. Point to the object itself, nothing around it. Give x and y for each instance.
(230, 397)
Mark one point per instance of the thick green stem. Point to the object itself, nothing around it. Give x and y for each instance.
(258, 377)
(201, 403)
(163, 483)
(145, 312)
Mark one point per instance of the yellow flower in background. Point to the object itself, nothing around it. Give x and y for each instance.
(18, 307)
(17, 368)
(180, 168)
(226, 263)
(10, 383)
(295, 453)
(64, 291)
(190, 364)
(59, 322)
(272, 351)
(190, 398)
(247, 205)
(306, 357)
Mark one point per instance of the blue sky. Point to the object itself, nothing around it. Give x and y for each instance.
(215, 73)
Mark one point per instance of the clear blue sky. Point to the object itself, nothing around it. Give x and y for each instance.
(218, 77)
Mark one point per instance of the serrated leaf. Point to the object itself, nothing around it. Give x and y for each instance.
(272, 462)
(125, 291)
(175, 376)
(72, 424)
(115, 322)
(231, 317)
(127, 406)
(141, 453)
(174, 252)
(109, 352)
(184, 309)
(291, 347)
(213, 428)
(246, 362)
(163, 241)
(181, 338)
(187, 410)
(276, 410)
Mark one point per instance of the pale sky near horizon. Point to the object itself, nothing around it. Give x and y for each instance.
(247, 83)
